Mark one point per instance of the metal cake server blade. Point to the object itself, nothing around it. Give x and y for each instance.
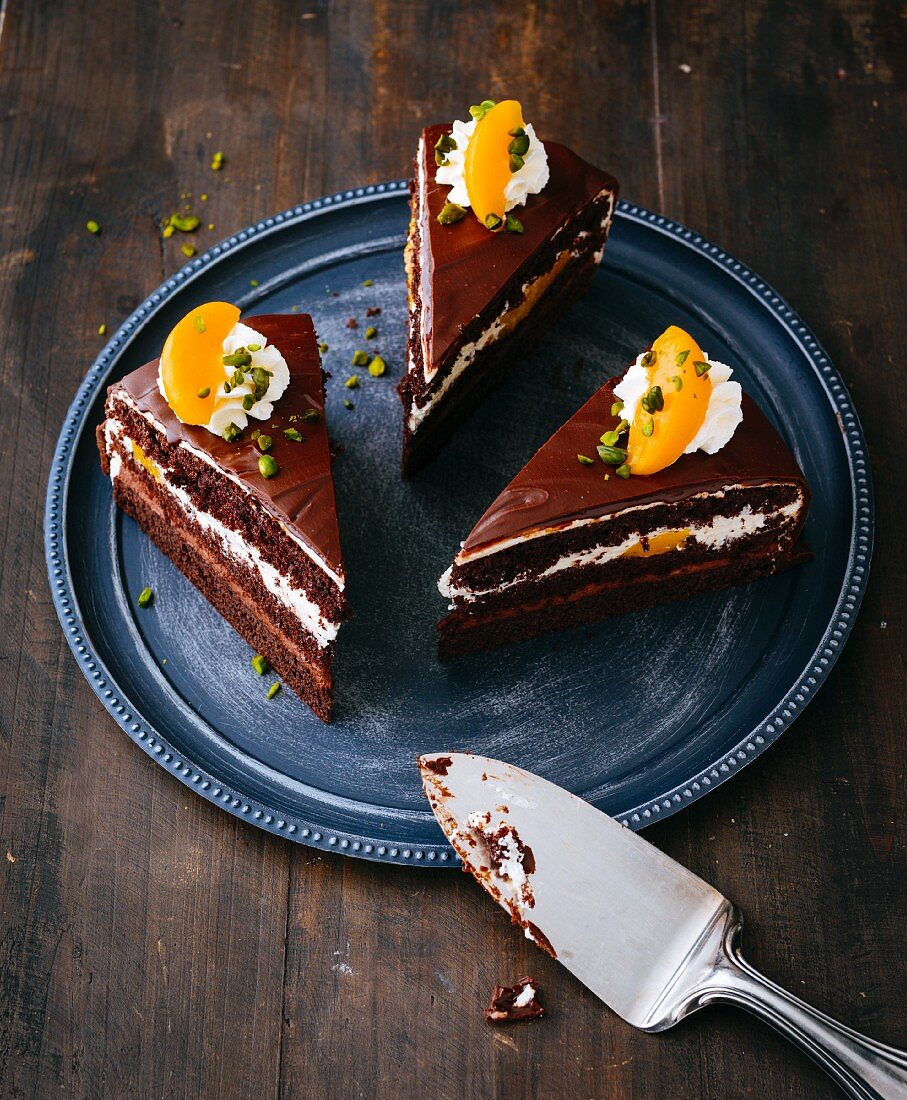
(647, 936)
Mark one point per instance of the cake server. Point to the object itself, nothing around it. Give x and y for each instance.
(647, 936)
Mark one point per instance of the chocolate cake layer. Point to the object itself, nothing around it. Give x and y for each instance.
(491, 368)
(464, 632)
(768, 521)
(472, 290)
(235, 590)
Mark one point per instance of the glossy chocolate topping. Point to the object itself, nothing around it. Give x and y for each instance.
(554, 488)
(301, 495)
(465, 265)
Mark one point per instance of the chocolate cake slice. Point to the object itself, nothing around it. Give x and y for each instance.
(569, 541)
(479, 300)
(264, 550)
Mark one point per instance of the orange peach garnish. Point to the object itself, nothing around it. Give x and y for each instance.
(191, 362)
(685, 393)
(486, 165)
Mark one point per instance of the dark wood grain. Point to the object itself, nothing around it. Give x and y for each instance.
(152, 946)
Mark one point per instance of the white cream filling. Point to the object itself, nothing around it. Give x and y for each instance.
(722, 417)
(227, 406)
(502, 544)
(195, 452)
(722, 531)
(525, 997)
(235, 546)
(494, 331)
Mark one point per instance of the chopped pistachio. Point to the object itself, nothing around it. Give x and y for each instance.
(253, 347)
(188, 250)
(648, 359)
(261, 376)
(681, 357)
(347, 404)
(513, 224)
(217, 161)
(231, 433)
(377, 367)
(239, 358)
(260, 664)
(273, 689)
(617, 408)
(267, 467)
(167, 232)
(654, 400)
(311, 416)
(451, 213)
(611, 456)
(352, 382)
(622, 426)
(146, 598)
(204, 392)
(248, 401)
(264, 442)
(256, 432)
(210, 225)
(198, 323)
(479, 111)
(370, 333)
(253, 282)
(585, 460)
(493, 222)
(702, 367)
(519, 145)
(623, 471)
(203, 197)
(648, 427)
(292, 433)
(368, 282)
(516, 162)
(610, 438)
(517, 131)
(185, 223)
(360, 358)
(92, 226)
(323, 348)
(102, 330)
(678, 382)
(227, 387)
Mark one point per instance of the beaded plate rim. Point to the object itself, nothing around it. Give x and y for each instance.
(301, 831)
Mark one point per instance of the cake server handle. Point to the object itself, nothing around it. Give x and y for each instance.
(864, 1069)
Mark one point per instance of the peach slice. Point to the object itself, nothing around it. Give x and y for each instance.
(685, 392)
(192, 363)
(487, 163)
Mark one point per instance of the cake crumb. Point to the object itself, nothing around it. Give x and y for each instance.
(510, 1003)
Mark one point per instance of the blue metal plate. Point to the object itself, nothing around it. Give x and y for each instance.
(639, 715)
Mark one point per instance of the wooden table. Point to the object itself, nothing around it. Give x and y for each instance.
(154, 946)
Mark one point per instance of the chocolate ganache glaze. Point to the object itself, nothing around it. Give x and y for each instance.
(465, 265)
(301, 495)
(554, 488)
